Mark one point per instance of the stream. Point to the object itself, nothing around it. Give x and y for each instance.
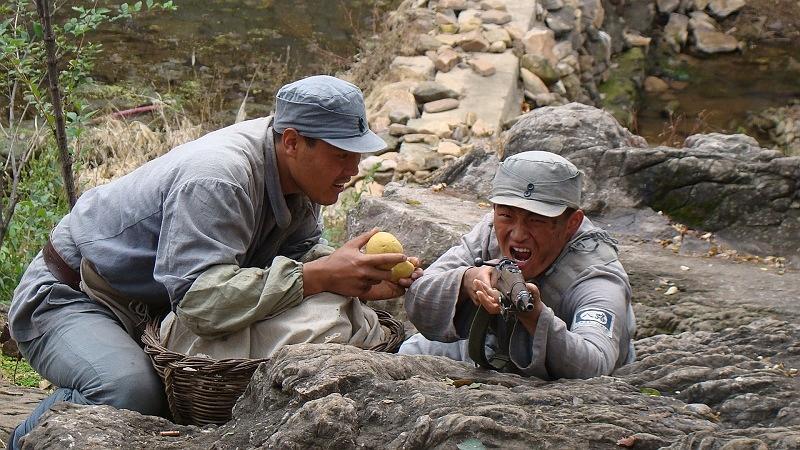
(719, 92)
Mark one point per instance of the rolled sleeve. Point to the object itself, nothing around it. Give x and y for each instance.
(431, 304)
(227, 298)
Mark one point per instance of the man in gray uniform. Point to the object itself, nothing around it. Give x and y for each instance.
(582, 322)
(232, 216)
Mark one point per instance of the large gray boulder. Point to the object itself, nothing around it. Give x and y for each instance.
(568, 129)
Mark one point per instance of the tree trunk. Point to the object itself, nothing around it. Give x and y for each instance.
(43, 8)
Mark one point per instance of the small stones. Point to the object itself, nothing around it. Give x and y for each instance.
(724, 8)
(470, 118)
(446, 59)
(445, 104)
(446, 18)
(496, 16)
(655, 85)
(497, 34)
(414, 67)
(426, 42)
(559, 25)
(497, 47)
(455, 5)
(540, 41)
(449, 148)
(634, 39)
(469, 20)
(532, 83)
(667, 6)
(482, 129)
(430, 139)
(398, 116)
(482, 67)
(541, 67)
(493, 4)
(397, 129)
(473, 42)
(429, 91)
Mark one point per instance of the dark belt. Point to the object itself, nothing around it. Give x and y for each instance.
(59, 268)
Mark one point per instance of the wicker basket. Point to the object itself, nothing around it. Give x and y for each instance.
(202, 391)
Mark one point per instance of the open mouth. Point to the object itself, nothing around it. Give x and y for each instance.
(521, 255)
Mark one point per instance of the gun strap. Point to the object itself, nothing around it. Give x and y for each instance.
(477, 343)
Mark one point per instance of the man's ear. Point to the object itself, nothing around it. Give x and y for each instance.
(574, 221)
(290, 140)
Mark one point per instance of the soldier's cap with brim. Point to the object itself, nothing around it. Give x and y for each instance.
(326, 108)
(543, 183)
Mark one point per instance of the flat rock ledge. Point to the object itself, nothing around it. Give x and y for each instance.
(730, 389)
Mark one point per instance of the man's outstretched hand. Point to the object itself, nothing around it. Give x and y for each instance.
(349, 272)
(388, 289)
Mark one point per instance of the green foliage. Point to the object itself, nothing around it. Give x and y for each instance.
(620, 92)
(43, 204)
(22, 53)
(24, 96)
(18, 372)
(650, 391)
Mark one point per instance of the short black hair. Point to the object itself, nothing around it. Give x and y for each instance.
(276, 137)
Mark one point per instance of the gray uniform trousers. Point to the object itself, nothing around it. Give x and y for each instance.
(87, 353)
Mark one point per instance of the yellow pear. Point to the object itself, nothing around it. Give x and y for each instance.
(383, 242)
(402, 270)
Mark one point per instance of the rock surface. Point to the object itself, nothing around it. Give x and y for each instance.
(721, 388)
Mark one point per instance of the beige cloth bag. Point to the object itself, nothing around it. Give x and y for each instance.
(320, 318)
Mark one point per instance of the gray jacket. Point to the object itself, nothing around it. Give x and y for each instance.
(211, 209)
(585, 328)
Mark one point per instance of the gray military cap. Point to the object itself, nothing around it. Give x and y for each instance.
(326, 108)
(540, 182)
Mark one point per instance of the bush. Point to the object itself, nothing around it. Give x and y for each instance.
(18, 372)
(41, 207)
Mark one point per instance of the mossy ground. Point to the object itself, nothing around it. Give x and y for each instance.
(18, 372)
(620, 92)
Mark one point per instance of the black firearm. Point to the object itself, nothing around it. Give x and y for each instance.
(514, 296)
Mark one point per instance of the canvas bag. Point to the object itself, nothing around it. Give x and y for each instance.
(320, 318)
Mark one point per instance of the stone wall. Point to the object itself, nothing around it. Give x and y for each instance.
(468, 69)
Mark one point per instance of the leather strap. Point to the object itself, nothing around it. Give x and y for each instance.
(477, 338)
(59, 268)
(500, 361)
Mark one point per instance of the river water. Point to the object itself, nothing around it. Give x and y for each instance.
(717, 93)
